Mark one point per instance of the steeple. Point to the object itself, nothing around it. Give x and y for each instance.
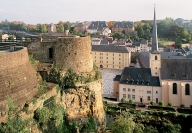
(154, 36)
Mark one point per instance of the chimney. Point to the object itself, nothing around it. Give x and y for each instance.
(66, 32)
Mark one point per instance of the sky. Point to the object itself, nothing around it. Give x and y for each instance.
(53, 11)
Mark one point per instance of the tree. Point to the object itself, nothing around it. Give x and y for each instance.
(67, 25)
(161, 103)
(123, 100)
(131, 101)
(75, 31)
(182, 105)
(170, 105)
(150, 129)
(118, 35)
(152, 103)
(43, 28)
(60, 28)
(123, 32)
(170, 128)
(123, 123)
(138, 128)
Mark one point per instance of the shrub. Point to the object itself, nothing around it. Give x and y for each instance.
(123, 100)
(191, 106)
(170, 105)
(182, 106)
(152, 103)
(161, 103)
(131, 101)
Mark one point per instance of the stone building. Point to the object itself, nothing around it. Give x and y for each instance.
(128, 27)
(108, 56)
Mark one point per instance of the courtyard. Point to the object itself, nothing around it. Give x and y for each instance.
(107, 77)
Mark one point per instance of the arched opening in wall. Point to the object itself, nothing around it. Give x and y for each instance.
(155, 57)
(187, 89)
(101, 66)
(50, 52)
(174, 88)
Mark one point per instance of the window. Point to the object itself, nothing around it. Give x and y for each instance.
(119, 67)
(148, 98)
(156, 92)
(124, 95)
(119, 54)
(119, 58)
(129, 96)
(50, 52)
(155, 67)
(124, 89)
(157, 101)
(113, 66)
(107, 57)
(129, 89)
(133, 96)
(155, 73)
(148, 92)
(174, 88)
(107, 65)
(119, 62)
(113, 58)
(187, 89)
(106, 53)
(107, 61)
(155, 57)
(113, 62)
(133, 90)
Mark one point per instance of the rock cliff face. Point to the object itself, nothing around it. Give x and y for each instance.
(83, 102)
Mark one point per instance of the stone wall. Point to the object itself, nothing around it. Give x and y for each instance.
(17, 77)
(75, 53)
(40, 49)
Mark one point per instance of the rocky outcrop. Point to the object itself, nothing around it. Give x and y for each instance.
(83, 102)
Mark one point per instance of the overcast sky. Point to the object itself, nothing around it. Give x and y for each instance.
(52, 11)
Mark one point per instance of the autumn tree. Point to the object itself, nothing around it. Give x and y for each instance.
(110, 24)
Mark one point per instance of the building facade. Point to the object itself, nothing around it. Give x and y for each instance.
(127, 27)
(114, 57)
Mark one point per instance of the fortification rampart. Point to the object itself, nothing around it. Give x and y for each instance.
(17, 77)
(75, 53)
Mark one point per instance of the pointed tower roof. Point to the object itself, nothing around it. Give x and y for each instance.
(154, 36)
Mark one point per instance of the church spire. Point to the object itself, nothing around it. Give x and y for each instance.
(154, 36)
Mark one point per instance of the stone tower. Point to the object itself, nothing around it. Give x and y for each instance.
(18, 79)
(155, 56)
(74, 53)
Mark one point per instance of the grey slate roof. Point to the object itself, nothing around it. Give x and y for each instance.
(140, 76)
(127, 24)
(117, 78)
(110, 48)
(104, 42)
(176, 69)
(97, 25)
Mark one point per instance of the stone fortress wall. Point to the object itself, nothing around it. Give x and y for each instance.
(18, 79)
(64, 52)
